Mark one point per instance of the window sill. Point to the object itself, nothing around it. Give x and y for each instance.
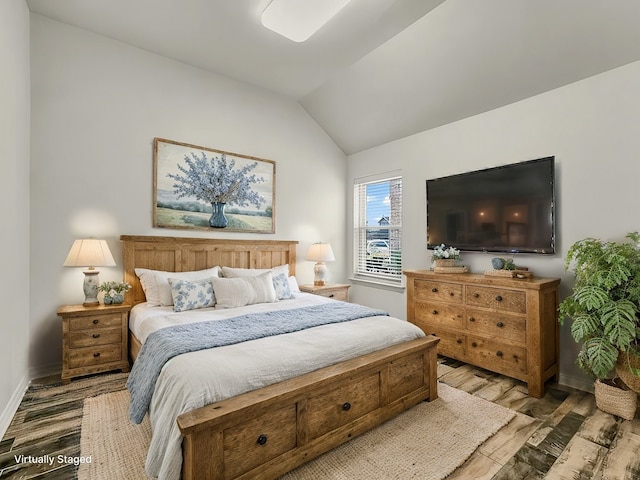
(376, 283)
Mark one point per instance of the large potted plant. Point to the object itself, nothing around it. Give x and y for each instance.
(605, 303)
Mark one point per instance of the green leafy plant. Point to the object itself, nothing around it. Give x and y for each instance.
(605, 304)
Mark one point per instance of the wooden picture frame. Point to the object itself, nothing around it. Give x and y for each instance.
(203, 188)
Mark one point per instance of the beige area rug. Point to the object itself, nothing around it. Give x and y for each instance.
(427, 442)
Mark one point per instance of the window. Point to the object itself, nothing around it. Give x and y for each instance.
(377, 233)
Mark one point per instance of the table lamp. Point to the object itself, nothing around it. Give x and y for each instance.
(320, 253)
(90, 253)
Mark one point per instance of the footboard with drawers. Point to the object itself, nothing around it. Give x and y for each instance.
(505, 325)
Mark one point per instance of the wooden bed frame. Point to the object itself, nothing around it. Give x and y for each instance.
(267, 432)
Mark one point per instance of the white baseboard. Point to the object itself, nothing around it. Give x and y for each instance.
(14, 402)
(581, 383)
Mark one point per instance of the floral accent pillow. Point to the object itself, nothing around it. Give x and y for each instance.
(281, 286)
(190, 295)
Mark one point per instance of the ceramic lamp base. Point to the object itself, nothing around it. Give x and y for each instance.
(90, 287)
(320, 272)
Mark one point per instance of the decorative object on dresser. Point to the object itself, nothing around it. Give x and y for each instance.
(94, 339)
(336, 291)
(90, 253)
(203, 188)
(504, 267)
(444, 260)
(501, 324)
(320, 253)
(114, 292)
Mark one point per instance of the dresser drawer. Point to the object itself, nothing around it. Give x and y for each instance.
(496, 298)
(95, 321)
(497, 356)
(495, 325)
(86, 357)
(440, 314)
(257, 441)
(341, 294)
(344, 404)
(438, 291)
(452, 344)
(96, 336)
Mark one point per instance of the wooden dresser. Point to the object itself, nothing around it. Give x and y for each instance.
(505, 325)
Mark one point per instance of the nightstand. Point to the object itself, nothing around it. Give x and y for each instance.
(337, 291)
(94, 339)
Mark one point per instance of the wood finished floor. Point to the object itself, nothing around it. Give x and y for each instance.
(561, 436)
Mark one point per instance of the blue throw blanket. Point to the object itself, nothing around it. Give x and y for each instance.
(166, 343)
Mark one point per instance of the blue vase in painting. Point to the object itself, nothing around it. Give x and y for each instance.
(218, 220)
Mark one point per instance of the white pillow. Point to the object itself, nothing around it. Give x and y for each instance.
(189, 295)
(240, 291)
(280, 275)
(155, 283)
(293, 284)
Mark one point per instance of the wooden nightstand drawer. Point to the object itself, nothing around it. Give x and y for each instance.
(335, 292)
(86, 357)
(97, 336)
(95, 321)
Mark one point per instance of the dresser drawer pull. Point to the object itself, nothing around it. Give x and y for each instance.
(96, 335)
(498, 298)
(476, 295)
(435, 312)
(346, 406)
(499, 353)
(262, 440)
(474, 344)
(96, 321)
(434, 290)
(96, 355)
(331, 295)
(451, 294)
(471, 319)
(459, 341)
(499, 324)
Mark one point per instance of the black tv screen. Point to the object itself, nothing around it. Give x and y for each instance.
(503, 209)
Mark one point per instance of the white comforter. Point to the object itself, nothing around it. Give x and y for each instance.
(196, 379)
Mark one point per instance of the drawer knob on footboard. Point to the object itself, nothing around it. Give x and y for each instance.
(346, 406)
(262, 440)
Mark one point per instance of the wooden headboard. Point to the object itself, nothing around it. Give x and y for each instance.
(178, 254)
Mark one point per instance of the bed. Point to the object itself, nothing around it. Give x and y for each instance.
(275, 424)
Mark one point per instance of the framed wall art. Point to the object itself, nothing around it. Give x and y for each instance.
(206, 189)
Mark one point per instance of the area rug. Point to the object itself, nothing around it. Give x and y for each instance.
(427, 442)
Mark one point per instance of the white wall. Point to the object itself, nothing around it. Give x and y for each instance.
(14, 196)
(592, 129)
(97, 104)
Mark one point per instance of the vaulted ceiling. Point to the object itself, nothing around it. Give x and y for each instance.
(381, 69)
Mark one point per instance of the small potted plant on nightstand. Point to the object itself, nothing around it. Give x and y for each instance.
(114, 292)
(605, 309)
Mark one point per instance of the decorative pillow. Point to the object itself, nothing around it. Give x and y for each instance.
(189, 295)
(240, 291)
(293, 284)
(155, 283)
(281, 288)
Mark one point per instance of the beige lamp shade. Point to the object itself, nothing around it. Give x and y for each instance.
(90, 253)
(320, 253)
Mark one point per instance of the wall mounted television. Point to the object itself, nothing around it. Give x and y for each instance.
(508, 209)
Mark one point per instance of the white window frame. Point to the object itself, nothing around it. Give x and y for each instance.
(377, 269)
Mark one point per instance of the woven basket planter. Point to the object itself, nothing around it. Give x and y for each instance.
(623, 365)
(616, 400)
(445, 262)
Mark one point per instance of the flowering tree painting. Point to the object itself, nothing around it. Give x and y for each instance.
(204, 188)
